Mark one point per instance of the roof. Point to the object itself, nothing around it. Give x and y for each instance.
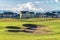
(31, 12)
(9, 13)
(24, 12)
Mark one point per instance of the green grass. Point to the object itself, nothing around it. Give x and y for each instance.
(53, 23)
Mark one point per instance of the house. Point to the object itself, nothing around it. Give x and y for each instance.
(40, 15)
(51, 15)
(9, 15)
(32, 14)
(37, 14)
(1, 15)
(58, 14)
(26, 14)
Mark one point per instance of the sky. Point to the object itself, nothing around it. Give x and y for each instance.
(30, 5)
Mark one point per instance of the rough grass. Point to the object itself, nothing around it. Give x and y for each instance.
(54, 23)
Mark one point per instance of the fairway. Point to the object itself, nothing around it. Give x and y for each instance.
(53, 23)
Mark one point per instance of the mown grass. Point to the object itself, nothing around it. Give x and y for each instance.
(54, 23)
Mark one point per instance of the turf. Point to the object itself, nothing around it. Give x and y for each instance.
(54, 23)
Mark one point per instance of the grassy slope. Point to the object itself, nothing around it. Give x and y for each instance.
(53, 23)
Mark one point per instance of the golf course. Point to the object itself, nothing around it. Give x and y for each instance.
(52, 28)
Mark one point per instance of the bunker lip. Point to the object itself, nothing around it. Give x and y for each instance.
(12, 27)
(30, 25)
(15, 30)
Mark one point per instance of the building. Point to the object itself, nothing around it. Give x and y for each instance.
(43, 16)
(9, 15)
(1, 15)
(26, 14)
(37, 15)
(51, 15)
(40, 15)
(58, 14)
(32, 14)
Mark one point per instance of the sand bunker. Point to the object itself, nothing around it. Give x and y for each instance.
(13, 29)
(31, 28)
(41, 29)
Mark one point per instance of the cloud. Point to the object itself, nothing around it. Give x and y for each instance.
(47, 1)
(29, 6)
(36, 6)
(39, 2)
(56, 1)
(52, 1)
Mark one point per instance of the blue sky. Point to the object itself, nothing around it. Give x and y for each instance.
(31, 5)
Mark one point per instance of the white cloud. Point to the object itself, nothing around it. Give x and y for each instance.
(29, 6)
(56, 1)
(38, 2)
(52, 1)
(47, 1)
(32, 6)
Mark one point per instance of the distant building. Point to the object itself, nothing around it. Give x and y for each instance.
(58, 15)
(1, 15)
(43, 16)
(26, 14)
(51, 15)
(37, 15)
(32, 14)
(9, 15)
(40, 15)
